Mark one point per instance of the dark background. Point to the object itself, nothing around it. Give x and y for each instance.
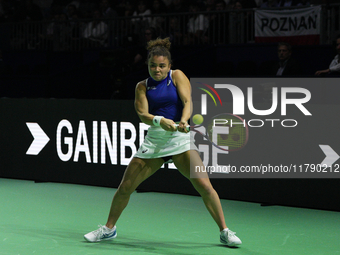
(106, 74)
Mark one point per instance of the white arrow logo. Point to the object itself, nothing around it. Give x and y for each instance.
(331, 155)
(40, 139)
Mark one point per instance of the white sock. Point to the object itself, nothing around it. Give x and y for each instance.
(107, 229)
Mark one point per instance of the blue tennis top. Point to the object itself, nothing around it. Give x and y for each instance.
(163, 98)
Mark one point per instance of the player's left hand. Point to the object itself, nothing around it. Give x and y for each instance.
(182, 127)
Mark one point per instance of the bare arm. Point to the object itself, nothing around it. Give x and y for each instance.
(184, 90)
(333, 67)
(141, 104)
(322, 72)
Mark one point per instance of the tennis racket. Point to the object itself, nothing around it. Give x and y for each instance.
(226, 131)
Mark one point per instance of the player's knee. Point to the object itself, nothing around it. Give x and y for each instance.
(125, 188)
(203, 187)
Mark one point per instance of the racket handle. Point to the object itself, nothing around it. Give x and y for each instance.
(188, 127)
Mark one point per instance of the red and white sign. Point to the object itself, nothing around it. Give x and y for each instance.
(296, 26)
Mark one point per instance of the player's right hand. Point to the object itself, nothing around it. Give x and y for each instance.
(168, 125)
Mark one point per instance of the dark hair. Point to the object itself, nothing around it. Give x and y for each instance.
(336, 38)
(289, 47)
(153, 32)
(220, 2)
(335, 44)
(159, 47)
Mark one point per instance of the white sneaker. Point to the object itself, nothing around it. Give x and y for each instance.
(102, 233)
(229, 238)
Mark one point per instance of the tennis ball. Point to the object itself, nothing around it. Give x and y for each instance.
(197, 119)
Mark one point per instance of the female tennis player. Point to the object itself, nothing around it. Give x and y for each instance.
(161, 101)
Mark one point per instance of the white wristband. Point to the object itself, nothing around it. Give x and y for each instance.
(157, 120)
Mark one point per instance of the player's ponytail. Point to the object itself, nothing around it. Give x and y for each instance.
(159, 47)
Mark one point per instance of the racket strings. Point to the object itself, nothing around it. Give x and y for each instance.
(236, 135)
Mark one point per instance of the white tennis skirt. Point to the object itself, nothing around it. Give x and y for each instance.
(159, 143)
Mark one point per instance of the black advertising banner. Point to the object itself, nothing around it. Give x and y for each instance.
(77, 141)
(293, 141)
